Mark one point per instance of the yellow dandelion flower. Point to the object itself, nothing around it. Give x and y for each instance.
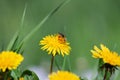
(63, 75)
(106, 55)
(55, 44)
(21, 78)
(10, 60)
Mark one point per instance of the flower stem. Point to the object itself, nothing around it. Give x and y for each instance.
(106, 71)
(6, 75)
(51, 67)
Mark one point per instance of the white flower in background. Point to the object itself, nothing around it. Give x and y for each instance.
(89, 74)
(40, 71)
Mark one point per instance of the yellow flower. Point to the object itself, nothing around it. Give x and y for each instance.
(55, 44)
(21, 78)
(106, 55)
(63, 75)
(9, 60)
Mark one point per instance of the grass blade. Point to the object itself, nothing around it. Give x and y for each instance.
(13, 42)
(69, 63)
(37, 27)
(23, 16)
(22, 20)
(57, 65)
(64, 63)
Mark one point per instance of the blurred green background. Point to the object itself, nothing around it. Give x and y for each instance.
(85, 23)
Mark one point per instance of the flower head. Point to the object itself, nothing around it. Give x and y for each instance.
(63, 75)
(106, 55)
(55, 44)
(9, 60)
(21, 78)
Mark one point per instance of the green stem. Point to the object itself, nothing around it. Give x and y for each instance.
(69, 63)
(52, 61)
(6, 75)
(64, 62)
(106, 71)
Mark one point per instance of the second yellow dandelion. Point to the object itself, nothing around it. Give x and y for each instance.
(106, 55)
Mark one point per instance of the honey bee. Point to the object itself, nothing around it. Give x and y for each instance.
(61, 38)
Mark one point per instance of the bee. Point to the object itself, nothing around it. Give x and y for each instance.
(61, 38)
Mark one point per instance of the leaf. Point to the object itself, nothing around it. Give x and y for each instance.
(83, 79)
(15, 74)
(19, 47)
(100, 72)
(100, 63)
(2, 48)
(66, 63)
(57, 65)
(13, 45)
(30, 74)
(23, 16)
(13, 42)
(22, 21)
